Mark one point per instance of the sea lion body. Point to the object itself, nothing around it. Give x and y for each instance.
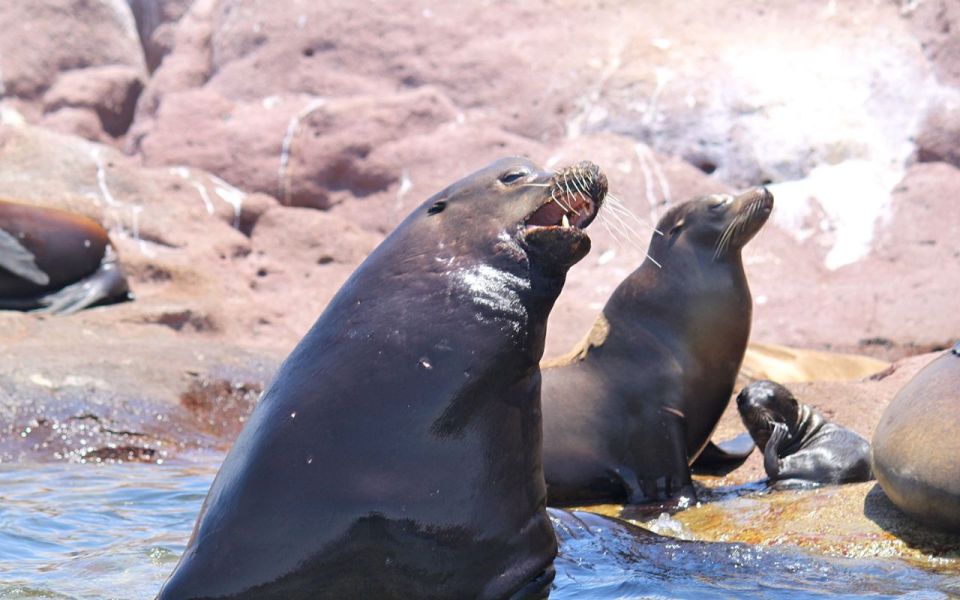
(916, 446)
(799, 445)
(635, 403)
(397, 452)
(54, 260)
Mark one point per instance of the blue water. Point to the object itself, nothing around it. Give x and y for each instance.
(114, 531)
(96, 531)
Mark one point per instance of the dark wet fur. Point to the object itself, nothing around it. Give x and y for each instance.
(800, 447)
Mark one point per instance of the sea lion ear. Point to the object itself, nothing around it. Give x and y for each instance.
(437, 207)
(676, 227)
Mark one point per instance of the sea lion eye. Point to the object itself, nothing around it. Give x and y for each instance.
(719, 201)
(512, 176)
(437, 207)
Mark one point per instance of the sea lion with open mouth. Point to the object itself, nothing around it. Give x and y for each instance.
(397, 453)
(628, 410)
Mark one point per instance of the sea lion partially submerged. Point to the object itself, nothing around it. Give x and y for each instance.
(799, 445)
(55, 261)
(397, 452)
(916, 446)
(628, 410)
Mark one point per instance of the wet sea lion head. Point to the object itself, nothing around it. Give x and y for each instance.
(528, 218)
(720, 223)
(764, 403)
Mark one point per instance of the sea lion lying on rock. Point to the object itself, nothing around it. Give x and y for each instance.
(799, 445)
(55, 261)
(916, 446)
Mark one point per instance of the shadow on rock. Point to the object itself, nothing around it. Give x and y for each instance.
(879, 509)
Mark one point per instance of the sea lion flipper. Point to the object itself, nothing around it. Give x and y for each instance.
(636, 494)
(20, 261)
(106, 283)
(771, 458)
(723, 457)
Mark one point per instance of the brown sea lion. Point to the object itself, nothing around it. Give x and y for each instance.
(55, 261)
(799, 445)
(916, 446)
(397, 452)
(635, 403)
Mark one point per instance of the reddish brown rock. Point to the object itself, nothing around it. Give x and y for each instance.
(46, 40)
(939, 137)
(306, 152)
(155, 23)
(936, 24)
(110, 92)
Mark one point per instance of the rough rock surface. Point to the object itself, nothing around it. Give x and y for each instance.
(256, 114)
(855, 520)
(91, 44)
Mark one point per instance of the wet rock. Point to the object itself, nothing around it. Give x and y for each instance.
(853, 520)
(124, 393)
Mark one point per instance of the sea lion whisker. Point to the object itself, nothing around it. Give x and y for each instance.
(626, 227)
(629, 233)
(616, 204)
(718, 250)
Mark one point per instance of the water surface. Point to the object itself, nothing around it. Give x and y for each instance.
(114, 531)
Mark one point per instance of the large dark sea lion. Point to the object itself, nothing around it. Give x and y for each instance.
(635, 403)
(397, 452)
(916, 446)
(798, 444)
(55, 261)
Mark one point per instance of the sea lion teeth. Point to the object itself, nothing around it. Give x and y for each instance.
(410, 458)
(565, 221)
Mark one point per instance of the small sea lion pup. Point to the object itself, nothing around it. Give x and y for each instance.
(55, 261)
(628, 410)
(397, 452)
(916, 446)
(798, 444)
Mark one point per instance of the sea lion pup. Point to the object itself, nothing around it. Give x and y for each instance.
(916, 446)
(397, 452)
(628, 410)
(798, 444)
(55, 261)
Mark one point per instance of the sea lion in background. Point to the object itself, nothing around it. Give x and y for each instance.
(397, 452)
(55, 261)
(628, 410)
(798, 444)
(916, 446)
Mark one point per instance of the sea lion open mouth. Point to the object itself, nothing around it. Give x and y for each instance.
(576, 194)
